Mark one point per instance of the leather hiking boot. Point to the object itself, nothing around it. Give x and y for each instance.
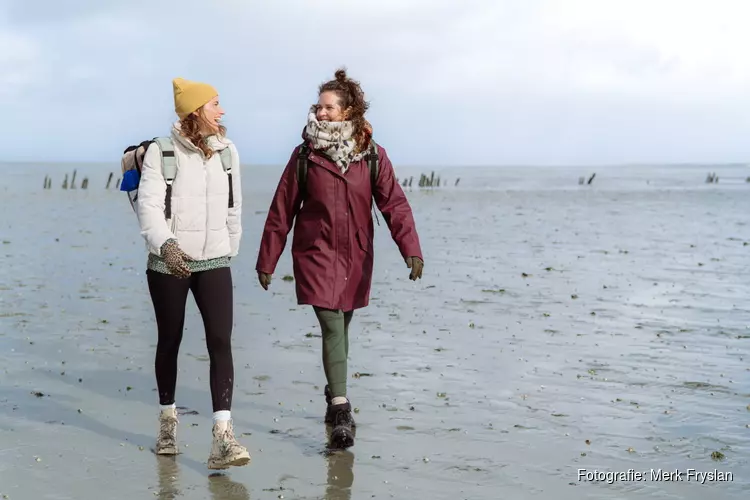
(166, 441)
(330, 415)
(225, 450)
(342, 435)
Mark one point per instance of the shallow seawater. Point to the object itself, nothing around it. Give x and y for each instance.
(560, 330)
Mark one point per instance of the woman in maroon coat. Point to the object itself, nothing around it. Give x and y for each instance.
(332, 247)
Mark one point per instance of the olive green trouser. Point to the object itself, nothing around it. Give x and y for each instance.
(334, 326)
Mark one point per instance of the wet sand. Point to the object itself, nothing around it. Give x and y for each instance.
(558, 327)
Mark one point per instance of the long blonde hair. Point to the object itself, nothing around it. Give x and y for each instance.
(194, 126)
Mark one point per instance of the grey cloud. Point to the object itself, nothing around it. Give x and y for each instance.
(451, 82)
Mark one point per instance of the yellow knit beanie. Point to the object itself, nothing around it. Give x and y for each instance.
(189, 96)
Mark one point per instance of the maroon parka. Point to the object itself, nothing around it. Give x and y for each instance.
(332, 249)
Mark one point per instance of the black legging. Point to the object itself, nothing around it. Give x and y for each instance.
(212, 291)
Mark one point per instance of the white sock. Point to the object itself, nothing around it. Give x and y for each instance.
(339, 400)
(222, 416)
(168, 407)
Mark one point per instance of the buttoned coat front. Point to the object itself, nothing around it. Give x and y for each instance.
(332, 246)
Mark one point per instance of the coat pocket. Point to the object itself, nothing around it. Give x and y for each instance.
(365, 243)
(308, 234)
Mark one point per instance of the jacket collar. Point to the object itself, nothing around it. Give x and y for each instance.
(320, 158)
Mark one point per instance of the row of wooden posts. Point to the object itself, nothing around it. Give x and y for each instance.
(65, 184)
(427, 181)
(712, 178)
(424, 181)
(72, 183)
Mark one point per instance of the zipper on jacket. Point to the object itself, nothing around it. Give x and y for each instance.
(208, 206)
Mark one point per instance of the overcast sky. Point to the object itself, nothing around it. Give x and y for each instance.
(462, 82)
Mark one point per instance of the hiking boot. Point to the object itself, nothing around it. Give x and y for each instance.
(225, 450)
(342, 435)
(166, 441)
(329, 418)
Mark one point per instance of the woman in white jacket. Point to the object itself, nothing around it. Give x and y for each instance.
(190, 246)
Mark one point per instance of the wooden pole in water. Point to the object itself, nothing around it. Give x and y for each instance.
(85, 183)
(118, 183)
(65, 182)
(73, 180)
(457, 181)
(109, 181)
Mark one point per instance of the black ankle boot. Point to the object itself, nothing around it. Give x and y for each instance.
(330, 414)
(342, 435)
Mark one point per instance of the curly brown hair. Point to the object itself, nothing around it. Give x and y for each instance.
(351, 97)
(194, 127)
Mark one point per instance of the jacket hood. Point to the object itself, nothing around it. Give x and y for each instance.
(215, 142)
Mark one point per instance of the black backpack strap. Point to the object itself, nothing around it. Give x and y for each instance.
(372, 163)
(302, 155)
(226, 163)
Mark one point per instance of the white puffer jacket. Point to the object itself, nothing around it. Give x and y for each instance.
(202, 222)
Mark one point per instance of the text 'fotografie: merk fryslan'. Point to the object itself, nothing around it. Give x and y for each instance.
(676, 475)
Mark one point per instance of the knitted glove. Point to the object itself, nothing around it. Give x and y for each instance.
(264, 279)
(175, 259)
(415, 264)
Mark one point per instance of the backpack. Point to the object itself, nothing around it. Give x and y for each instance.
(132, 163)
(372, 163)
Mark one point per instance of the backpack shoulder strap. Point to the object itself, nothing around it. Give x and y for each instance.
(372, 162)
(302, 155)
(373, 165)
(168, 169)
(226, 159)
(226, 162)
(168, 160)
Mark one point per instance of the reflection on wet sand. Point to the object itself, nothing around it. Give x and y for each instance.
(168, 474)
(339, 479)
(220, 485)
(340, 466)
(223, 488)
